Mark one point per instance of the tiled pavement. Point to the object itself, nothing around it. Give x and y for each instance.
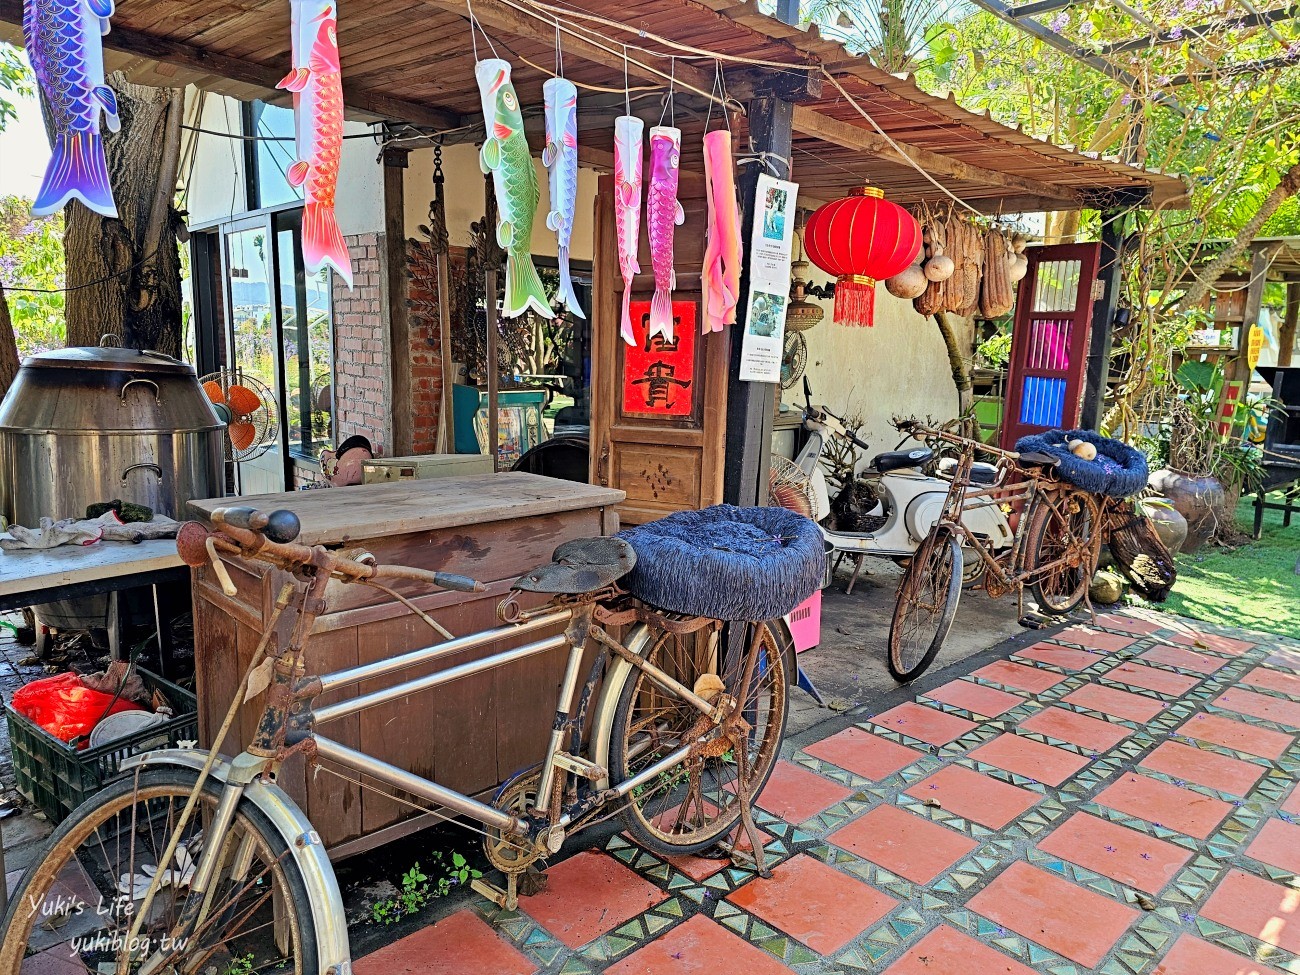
(1118, 799)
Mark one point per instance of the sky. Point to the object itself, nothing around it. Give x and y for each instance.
(23, 150)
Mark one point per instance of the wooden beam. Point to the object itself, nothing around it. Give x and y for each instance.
(496, 16)
(393, 305)
(1286, 334)
(243, 71)
(849, 136)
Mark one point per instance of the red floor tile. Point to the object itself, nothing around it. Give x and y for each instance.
(1192, 956)
(1278, 845)
(1212, 641)
(1063, 657)
(1129, 624)
(976, 698)
(796, 794)
(1159, 802)
(698, 947)
(1152, 679)
(1078, 729)
(1032, 759)
(924, 724)
(903, 843)
(1196, 765)
(1183, 659)
(1257, 907)
(814, 903)
(1292, 804)
(1087, 636)
(863, 753)
(589, 895)
(1117, 703)
(1274, 680)
(1237, 735)
(1050, 911)
(970, 795)
(461, 942)
(946, 951)
(1261, 706)
(1116, 852)
(1020, 676)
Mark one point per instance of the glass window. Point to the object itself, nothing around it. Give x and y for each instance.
(305, 324)
(274, 153)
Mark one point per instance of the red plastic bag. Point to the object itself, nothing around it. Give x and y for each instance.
(65, 707)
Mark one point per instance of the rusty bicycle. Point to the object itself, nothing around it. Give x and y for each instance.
(1055, 546)
(194, 862)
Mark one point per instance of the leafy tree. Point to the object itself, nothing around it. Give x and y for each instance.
(16, 78)
(31, 257)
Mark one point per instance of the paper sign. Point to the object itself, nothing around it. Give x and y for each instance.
(1254, 345)
(769, 279)
(659, 376)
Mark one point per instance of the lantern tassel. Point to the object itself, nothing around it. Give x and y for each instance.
(855, 300)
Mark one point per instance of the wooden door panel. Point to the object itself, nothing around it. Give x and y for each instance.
(665, 460)
(1049, 340)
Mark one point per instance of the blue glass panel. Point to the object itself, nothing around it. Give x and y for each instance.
(1043, 401)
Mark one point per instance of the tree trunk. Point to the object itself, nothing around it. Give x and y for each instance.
(8, 346)
(957, 363)
(123, 275)
(1286, 188)
(1062, 227)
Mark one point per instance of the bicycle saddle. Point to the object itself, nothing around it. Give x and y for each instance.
(1035, 459)
(893, 460)
(980, 472)
(582, 565)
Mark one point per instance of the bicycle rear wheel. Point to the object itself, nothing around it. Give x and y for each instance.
(693, 804)
(1062, 530)
(927, 603)
(74, 909)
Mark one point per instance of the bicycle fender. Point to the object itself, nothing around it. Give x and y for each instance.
(332, 948)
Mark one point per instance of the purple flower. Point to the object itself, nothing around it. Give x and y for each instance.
(1060, 21)
(1293, 51)
(1146, 856)
(1164, 79)
(1127, 99)
(8, 265)
(1176, 34)
(1110, 849)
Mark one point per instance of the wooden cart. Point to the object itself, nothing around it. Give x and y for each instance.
(493, 527)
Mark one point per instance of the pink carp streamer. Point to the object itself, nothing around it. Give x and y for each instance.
(664, 214)
(628, 149)
(317, 85)
(722, 254)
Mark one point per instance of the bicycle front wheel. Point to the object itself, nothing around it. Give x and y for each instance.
(691, 805)
(74, 909)
(927, 603)
(1062, 530)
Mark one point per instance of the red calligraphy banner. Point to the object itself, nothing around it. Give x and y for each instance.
(659, 376)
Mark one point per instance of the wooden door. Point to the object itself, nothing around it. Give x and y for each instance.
(1049, 340)
(659, 411)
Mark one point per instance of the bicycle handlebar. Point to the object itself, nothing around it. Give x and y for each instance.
(248, 533)
(916, 429)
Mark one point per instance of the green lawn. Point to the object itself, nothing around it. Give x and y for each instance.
(1255, 587)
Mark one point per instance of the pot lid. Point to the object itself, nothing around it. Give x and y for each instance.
(129, 360)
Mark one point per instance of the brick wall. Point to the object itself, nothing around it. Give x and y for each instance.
(361, 390)
(426, 361)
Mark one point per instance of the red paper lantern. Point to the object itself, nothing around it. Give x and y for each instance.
(861, 239)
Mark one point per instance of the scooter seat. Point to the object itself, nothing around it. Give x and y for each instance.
(897, 459)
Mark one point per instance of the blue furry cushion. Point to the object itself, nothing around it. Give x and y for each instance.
(1119, 471)
(726, 562)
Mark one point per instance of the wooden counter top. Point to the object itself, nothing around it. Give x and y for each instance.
(339, 515)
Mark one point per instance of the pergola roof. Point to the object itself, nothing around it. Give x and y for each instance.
(412, 61)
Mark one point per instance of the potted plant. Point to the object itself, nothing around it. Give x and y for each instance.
(1204, 472)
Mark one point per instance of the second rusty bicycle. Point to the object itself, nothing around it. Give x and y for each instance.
(1054, 553)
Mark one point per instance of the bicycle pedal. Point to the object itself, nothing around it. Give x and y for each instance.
(1035, 621)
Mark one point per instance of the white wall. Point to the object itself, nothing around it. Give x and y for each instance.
(897, 367)
(463, 191)
(215, 189)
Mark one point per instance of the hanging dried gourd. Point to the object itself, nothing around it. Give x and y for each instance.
(963, 294)
(929, 301)
(908, 283)
(997, 296)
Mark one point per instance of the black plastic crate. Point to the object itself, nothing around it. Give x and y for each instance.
(57, 778)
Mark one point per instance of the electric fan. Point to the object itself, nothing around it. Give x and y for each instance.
(322, 406)
(794, 358)
(789, 487)
(249, 410)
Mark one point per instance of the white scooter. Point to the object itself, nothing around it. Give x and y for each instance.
(907, 499)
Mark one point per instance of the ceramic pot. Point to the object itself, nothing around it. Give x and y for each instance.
(1200, 500)
(1169, 524)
